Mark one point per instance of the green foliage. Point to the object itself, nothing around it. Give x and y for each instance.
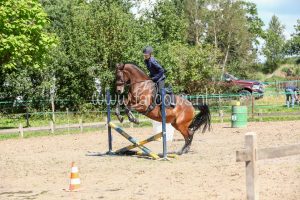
(255, 24)
(234, 28)
(194, 44)
(297, 71)
(189, 68)
(24, 50)
(293, 45)
(257, 76)
(291, 60)
(169, 21)
(274, 47)
(285, 69)
(24, 41)
(94, 37)
(275, 78)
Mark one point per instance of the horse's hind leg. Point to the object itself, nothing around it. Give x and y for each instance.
(187, 145)
(187, 134)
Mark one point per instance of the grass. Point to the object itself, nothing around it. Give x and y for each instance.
(44, 133)
(37, 119)
(226, 119)
(272, 102)
(31, 134)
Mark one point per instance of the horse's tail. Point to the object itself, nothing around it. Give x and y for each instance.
(201, 119)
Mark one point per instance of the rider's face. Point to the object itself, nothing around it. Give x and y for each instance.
(147, 56)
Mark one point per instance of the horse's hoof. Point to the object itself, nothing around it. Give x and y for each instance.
(121, 119)
(135, 121)
(185, 150)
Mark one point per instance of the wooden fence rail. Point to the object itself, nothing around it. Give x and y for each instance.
(251, 154)
(52, 127)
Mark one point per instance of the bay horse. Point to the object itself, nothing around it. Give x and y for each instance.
(140, 95)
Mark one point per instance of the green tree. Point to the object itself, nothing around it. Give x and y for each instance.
(194, 11)
(274, 46)
(24, 40)
(189, 68)
(169, 21)
(254, 23)
(233, 28)
(94, 36)
(178, 46)
(293, 45)
(25, 46)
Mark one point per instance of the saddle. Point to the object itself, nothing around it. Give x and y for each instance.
(170, 100)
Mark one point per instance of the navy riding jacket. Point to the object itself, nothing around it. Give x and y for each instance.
(156, 71)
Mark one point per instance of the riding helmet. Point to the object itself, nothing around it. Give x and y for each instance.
(148, 50)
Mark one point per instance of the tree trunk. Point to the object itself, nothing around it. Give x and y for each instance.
(225, 60)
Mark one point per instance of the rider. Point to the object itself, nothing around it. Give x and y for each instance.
(291, 94)
(156, 71)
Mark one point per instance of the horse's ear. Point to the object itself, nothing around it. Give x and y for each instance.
(120, 66)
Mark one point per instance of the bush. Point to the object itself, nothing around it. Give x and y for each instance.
(259, 76)
(189, 68)
(275, 78)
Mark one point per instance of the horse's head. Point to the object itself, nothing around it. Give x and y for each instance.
(121, 77)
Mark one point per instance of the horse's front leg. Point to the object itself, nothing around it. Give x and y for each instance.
(130, 115)
(117, 112)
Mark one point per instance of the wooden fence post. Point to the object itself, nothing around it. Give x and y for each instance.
(253, 99)
(221, 115)
(105, 119)
(80, 125)
(21, 131)
(52, 127)
(260, 115)
(206, 95)
(53, 108)
(251, 171)
(68, 120)
(251, 155)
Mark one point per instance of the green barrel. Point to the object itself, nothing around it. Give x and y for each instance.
(239, 116)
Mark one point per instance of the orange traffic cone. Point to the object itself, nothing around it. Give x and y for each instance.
(75, 180)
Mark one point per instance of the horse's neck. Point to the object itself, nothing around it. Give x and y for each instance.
(136, 75)
(140, 82)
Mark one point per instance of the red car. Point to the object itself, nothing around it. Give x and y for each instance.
(247, 87)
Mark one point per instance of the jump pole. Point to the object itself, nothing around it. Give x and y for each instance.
(135, 142)
(163, 116)
(108, 102)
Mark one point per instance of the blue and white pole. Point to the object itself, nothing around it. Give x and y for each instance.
(163, 115)
(108, 121)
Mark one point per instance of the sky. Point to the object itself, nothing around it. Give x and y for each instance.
(288, 11)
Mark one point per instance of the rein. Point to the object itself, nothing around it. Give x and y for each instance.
(128, 84)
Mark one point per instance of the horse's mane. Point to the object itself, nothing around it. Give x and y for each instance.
(137, 67)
